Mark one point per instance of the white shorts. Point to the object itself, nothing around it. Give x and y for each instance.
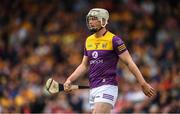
(104, 93)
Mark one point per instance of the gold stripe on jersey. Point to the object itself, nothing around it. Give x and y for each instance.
(103, 43)
(121, 47)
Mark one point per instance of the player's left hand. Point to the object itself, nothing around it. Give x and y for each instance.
(148, 90)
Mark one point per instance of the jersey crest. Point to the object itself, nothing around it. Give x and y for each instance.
(104, 43)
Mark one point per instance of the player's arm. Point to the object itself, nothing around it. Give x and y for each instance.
(127, 59)
(121, 51)
(80, 71)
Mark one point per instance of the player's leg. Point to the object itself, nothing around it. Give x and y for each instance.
(102, 107)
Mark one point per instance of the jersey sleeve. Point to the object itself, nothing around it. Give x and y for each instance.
(85, 52)
(118, 45)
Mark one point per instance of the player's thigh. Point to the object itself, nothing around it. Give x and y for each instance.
(102, 107)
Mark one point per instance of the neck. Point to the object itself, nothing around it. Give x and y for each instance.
(101, 32)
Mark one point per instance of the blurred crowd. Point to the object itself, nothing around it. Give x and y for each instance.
(45, 38)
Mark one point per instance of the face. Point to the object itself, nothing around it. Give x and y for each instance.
(93, 23)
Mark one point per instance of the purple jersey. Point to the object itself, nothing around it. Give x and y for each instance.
(103, 57)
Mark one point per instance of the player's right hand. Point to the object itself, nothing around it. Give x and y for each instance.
(67, 86)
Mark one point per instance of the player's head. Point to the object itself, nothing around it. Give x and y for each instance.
(96, 19)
